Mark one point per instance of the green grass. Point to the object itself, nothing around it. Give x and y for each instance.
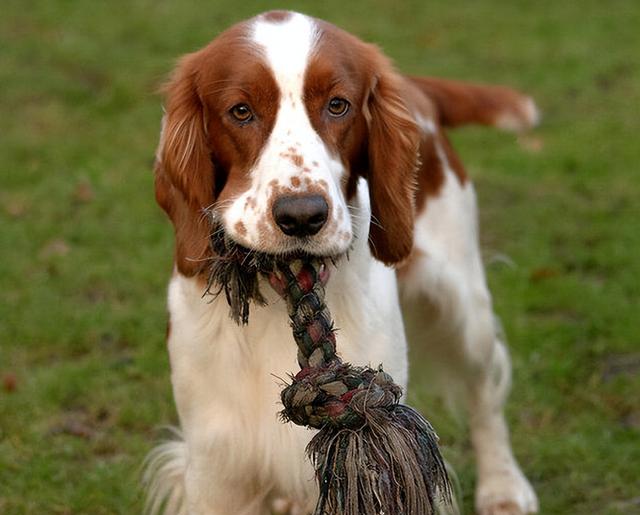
(86, 253)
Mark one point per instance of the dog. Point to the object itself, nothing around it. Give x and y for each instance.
(296, 136)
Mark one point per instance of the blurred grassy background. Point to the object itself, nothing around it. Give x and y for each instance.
(85, 253)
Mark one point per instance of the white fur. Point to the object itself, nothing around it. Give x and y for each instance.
(525, 117)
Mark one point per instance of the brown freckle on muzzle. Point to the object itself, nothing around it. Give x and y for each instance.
(295, 182)
(240, 228)
(292, 154)
(296, 159)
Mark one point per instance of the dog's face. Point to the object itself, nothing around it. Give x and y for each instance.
(268, 129)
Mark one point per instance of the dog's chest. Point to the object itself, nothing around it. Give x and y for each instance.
(227, 379)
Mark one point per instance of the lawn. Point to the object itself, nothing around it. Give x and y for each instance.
(85, 252)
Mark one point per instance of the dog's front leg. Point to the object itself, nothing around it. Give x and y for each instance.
(215, 487)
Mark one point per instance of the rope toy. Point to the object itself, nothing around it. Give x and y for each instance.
(372, 455)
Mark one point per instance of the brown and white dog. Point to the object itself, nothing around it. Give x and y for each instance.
(297, 136)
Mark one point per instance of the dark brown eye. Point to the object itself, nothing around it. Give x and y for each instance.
(241, 112)
(338, 106)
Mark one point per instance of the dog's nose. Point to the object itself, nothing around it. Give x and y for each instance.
(300, 215)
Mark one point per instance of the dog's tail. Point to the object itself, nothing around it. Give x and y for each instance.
(163, 477)
(460, 103)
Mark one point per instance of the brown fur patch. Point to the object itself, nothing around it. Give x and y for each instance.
(190, 227)
(277, 16)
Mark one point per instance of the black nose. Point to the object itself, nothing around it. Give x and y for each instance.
(300, 215)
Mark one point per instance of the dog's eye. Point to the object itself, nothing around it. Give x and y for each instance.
(241, 112)
(338, 106)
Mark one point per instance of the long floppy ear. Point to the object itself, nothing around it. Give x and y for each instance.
(184, 169)
(394, 138)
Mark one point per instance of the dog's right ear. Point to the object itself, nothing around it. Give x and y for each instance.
(183, 168)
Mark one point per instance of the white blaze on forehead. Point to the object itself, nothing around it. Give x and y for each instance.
(287, 45)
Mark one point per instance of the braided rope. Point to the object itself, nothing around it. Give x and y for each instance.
(372, 455)
(326, 390)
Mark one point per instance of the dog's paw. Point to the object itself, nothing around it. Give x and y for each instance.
(505, 493)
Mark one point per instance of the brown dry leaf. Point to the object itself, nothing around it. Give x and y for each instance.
(542, 273)
(83, 193)
(530, 143)
(9, 382)
(55, 248)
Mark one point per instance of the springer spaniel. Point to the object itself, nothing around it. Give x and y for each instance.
(296, 136)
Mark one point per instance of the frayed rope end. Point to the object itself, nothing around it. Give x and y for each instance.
(391, 465)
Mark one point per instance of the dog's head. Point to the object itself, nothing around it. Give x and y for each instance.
(269, 128)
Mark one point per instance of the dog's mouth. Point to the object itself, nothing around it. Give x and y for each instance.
(236, 271)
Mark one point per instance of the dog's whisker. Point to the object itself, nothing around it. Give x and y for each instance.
(210, 211)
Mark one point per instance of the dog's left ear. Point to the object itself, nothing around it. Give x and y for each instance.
(394, 138)
(183, 170)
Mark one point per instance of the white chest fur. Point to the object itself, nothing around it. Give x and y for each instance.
(227, 378)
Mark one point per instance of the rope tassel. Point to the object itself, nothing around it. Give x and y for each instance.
(372, 455)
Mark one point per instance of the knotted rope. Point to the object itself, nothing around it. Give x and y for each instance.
(372, 455)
